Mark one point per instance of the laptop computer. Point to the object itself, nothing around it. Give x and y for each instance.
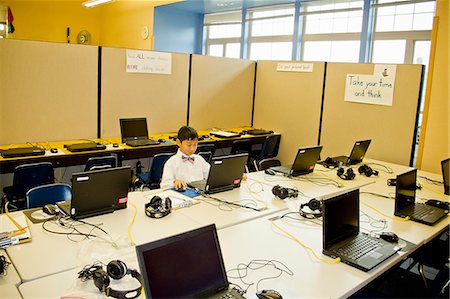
(405, 205)
(187, 265)
(225, 174)
(342, 238)
(134, 132)
(83, 147)
(357, 154)
(304, 162)
(97, 192)
(445, 164)
(22, 152)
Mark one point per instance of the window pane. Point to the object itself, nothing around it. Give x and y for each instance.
(407, 17)
(317, 51)
(337, 51)
(220, 31)
(232, 50)
(339, 22)
(422, 52)
(271, 51)
(423, 21)
(403, 22)
(280, 26)
(388, 51)
(215, 50)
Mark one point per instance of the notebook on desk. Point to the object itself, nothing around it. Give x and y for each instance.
(225, 173)
(97, 192)
(187, 265)
(134, 132)
(304, 162)
(445, 164)
(342, 237)
(405, 205)
(357, 154)
(22, 152)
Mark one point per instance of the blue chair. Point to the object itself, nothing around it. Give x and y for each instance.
(95, 163)
(25, 177)
(152, 178)
(269, 150)
(48, 194)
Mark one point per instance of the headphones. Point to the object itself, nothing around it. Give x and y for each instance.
(313, 205)
(346, 174)
(3, 264)
(367, 170)
(283, 192)
(158, 207)
(331, 163)
(116, 270)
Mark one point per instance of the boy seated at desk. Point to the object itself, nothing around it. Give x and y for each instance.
(185, 166)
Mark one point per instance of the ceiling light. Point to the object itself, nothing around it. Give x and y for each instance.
(92, 3)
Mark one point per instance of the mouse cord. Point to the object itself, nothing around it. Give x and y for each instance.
(336, 260)
(377, 224)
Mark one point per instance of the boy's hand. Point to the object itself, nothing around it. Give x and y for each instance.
(179, 184)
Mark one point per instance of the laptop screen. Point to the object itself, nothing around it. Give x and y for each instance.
(133, 128)
(99, 191)
(359, 151)
(188, 265)
(340, 217)
(226, 171)
(446, 175)
(306, 160)
(405, 190)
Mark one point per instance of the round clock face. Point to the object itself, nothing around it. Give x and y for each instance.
(144, 32)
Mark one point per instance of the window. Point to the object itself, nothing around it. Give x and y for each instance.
(337, 51)
(223, 34)
(388, 51)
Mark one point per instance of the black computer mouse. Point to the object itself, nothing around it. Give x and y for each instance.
(181, 189)
(115, 145)
(268, 294)
(389, 237)
(161, 140)
(49, 209)
(53, 150)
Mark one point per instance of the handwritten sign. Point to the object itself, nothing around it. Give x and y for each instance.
(295, 67)
(377, 89)
(148, 62)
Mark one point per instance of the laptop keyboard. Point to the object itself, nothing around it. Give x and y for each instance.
(358, 247)
(420, 210)
(142, 142)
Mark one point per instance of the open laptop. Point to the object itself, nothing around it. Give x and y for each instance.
(405, 205)
(187, 265)
(342, 238)
(134, 132)
(97, 192)
(225, 174)
(304, 162)
(446, 175)
(357, 154)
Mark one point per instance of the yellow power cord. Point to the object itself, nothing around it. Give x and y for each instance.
(378, 211)
(131, 224)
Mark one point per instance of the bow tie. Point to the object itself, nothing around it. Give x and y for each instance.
(186, 158)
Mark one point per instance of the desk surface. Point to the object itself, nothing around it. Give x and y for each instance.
(12, 277)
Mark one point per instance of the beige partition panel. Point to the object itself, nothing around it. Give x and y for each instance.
(161, 98)
(2, 41)
(289, 103)
(221, 92)
(391, 128)
(49, 91)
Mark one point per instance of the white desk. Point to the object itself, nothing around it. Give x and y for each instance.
(9, 291)
(12, 277)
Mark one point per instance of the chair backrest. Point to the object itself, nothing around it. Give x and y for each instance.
(157, 166)
(48, 194)
(27, 176)
(270, 147)
(206, 155)
(240, 147)
(95, 163)
(266, 163)
(206, 150)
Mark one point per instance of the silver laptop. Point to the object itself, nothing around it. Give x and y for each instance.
(357, 154)
(405, 205)
(304, 162)
(188, 265)
(225, 174)
(134, 132)
(342, 238)
(97, 192)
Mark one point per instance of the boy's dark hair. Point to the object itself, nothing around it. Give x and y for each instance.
(187, 133)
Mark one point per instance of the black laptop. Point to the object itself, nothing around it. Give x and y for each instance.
(357, 154)
(446, 175)
(134, 132)
(22, 152)
(97, 192)
(342, 238)
(304, 162)
(187, 265)
(405, 205)
(225, 174)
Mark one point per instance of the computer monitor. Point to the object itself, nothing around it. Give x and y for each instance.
(133, 128)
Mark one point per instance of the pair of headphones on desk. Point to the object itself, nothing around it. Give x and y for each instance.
(367, 170)
(158, 207)
(313, 205)
(346, 174)
(331, 163)
(116, 270)
(283, 192)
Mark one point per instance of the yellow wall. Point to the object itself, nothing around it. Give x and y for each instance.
(435, 138)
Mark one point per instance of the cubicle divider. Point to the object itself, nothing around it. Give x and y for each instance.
(391, 128)
(48, 91)
(221, 92)
(288, 100)
(161, 98)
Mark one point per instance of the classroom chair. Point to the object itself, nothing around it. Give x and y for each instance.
(152, 178)
(47, 194)
(269, 150)
(267, 163)
(96, 163)
(206, 150)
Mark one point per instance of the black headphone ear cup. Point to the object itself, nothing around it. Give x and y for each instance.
(116, 269)
(283, 193)
(275, 190)
(340, 171)
(350, 174)
(315, 204)
(168, 203)
(155, 202)
(101, 279)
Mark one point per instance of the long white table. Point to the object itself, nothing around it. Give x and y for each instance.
(11, 277)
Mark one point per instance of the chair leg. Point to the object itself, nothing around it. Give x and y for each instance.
(256, 165)
(422, 274)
